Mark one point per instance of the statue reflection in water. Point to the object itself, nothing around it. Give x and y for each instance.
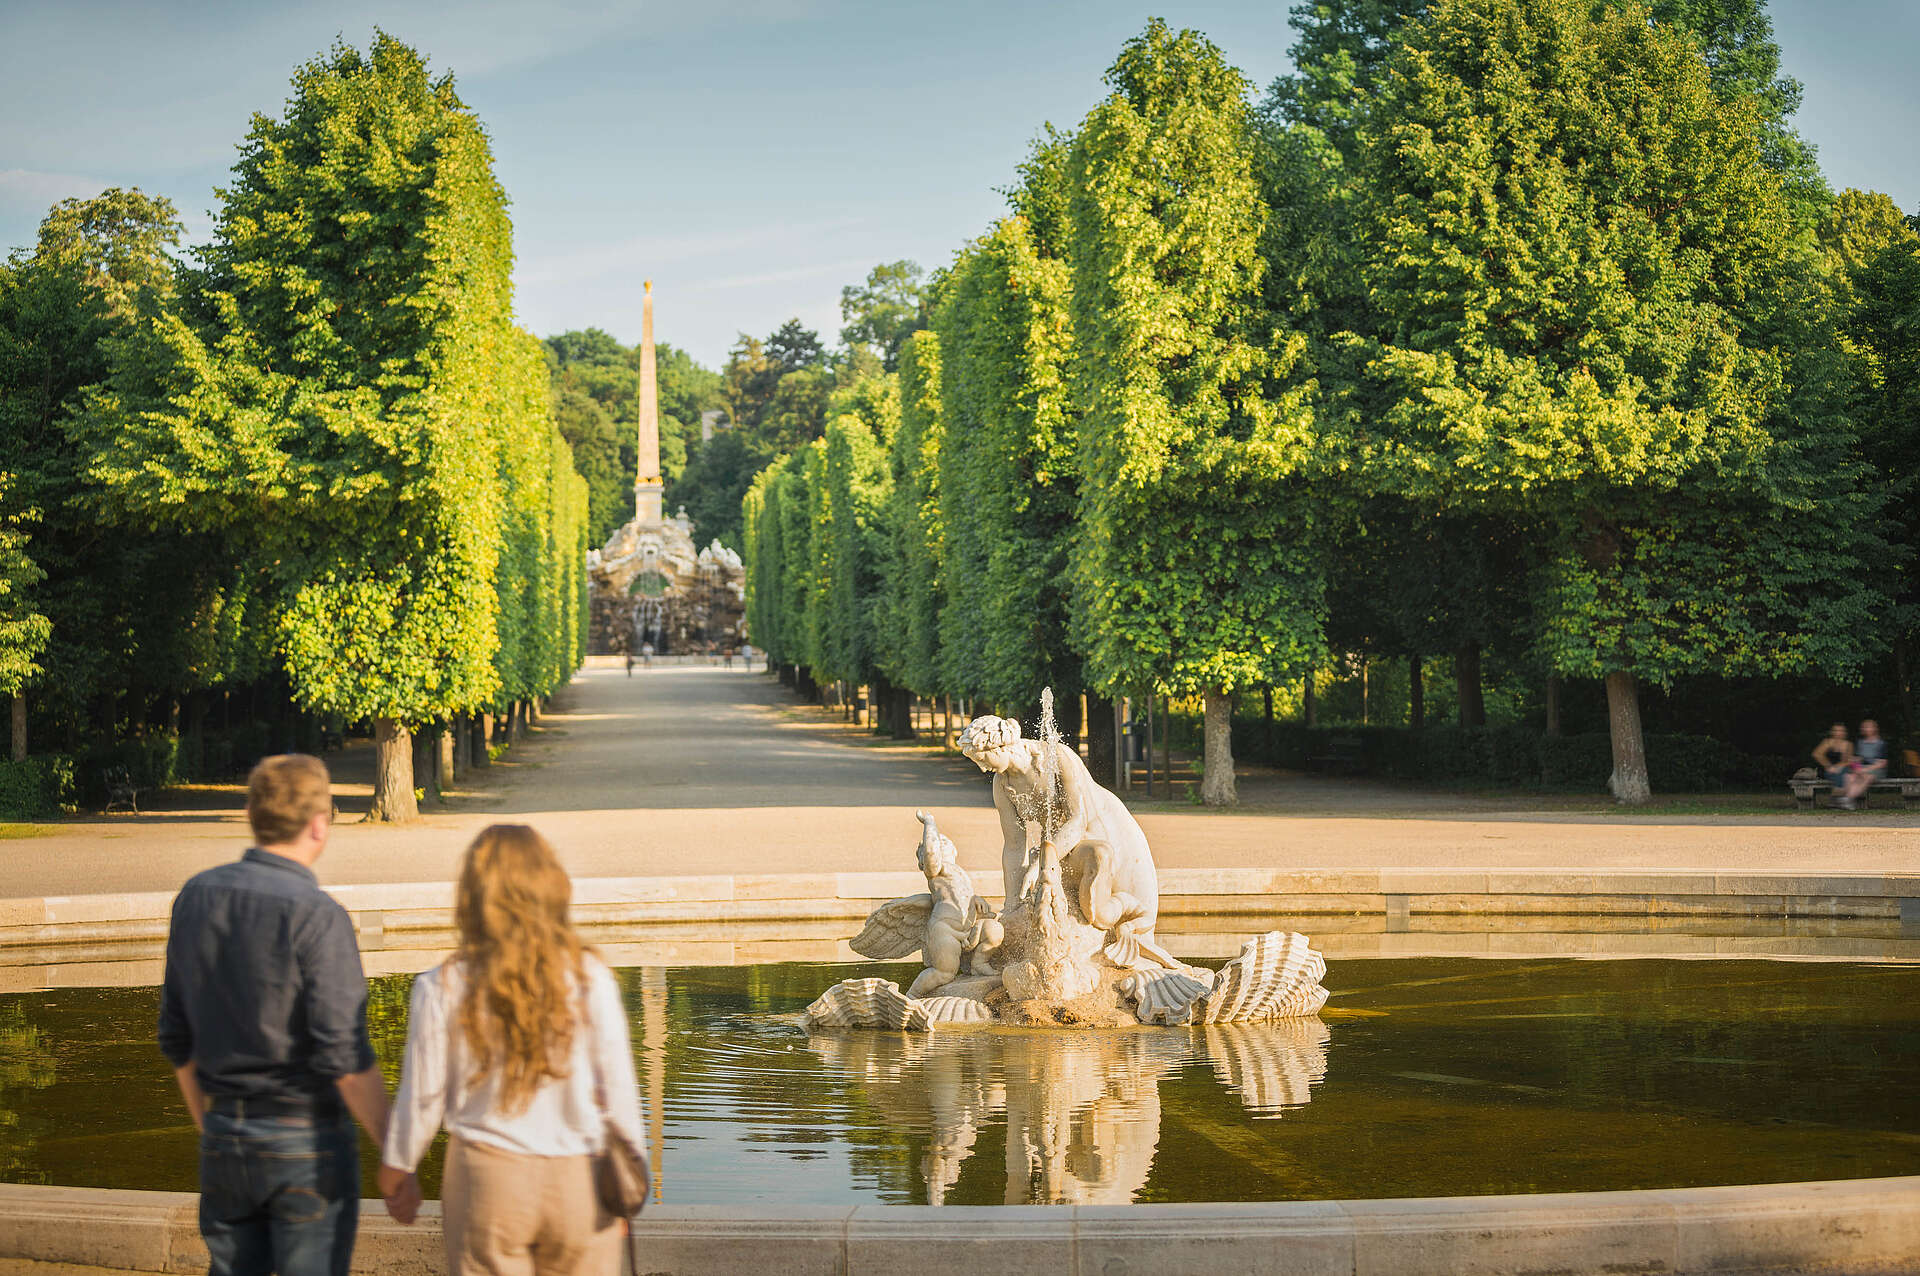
(1082, 1110)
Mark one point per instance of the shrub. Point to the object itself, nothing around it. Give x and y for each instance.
(41, 785)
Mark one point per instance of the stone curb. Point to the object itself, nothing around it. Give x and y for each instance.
(1191, 892)
(1856, 1226)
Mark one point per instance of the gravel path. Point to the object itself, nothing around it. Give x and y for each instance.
(688, 770)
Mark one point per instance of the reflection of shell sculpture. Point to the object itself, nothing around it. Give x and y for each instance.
(1276, 976)
(867, 1003)
(1165, 996)
(1272, 1066)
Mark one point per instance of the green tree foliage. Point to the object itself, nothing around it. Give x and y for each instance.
(345, 387)
(914, 581)
(1597, 311)
(885, 310)
(1195, 569)
(1009, 469)
(125, 602)
(23, 631)
(596, 403)
(850, 540)
(1874, 253)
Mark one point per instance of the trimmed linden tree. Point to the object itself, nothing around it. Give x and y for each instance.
(1195, 567)
(1600, 316)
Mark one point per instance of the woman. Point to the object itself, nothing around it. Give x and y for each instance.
(1833, 753)
(1869, 765)
(518, 1045)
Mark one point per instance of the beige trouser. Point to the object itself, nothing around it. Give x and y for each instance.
(508, 1214)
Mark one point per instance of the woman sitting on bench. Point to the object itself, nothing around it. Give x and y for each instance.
(1868, 766)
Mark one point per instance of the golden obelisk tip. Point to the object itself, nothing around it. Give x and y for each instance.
(649, 285)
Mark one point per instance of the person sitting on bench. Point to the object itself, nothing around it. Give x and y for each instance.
(1868, 766)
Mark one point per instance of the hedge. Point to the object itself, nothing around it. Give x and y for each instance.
(41, 785)
(1495, 757)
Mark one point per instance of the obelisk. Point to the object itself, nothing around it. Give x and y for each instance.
(647, 487)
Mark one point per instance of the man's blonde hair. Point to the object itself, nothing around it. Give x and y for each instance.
(284, 792)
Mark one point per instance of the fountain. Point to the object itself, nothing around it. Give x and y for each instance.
(1073, 945)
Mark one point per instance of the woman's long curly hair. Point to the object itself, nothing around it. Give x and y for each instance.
(521, 961)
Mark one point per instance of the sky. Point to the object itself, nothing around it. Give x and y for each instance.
(749, 156)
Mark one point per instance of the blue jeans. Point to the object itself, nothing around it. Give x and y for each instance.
(279, 1194)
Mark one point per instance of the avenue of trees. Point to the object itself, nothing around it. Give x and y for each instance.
(1516, 339)
(313, 469)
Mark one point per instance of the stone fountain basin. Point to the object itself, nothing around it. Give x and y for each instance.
(1859, 1224)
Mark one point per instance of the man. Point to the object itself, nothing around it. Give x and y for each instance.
(264, 1017)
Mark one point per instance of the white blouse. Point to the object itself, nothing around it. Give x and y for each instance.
(563, 1118)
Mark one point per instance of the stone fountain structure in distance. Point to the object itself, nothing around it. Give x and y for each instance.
(1074, 945)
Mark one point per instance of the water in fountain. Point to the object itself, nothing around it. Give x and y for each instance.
(1049, 767)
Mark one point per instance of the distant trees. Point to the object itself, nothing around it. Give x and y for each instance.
(329, 429)
(1509, 330)
(885, 310)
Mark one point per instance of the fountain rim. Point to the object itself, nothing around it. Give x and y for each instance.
(1857, 1224)
(1778, 1226)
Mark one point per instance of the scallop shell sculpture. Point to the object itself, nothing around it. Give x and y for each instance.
(1276, 976)
(867, 1003)
(945, 1010)
(1162, 996)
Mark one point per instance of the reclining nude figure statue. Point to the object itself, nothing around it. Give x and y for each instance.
(1074, 944)
(1090, 843)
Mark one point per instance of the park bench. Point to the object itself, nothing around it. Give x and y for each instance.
(1343, 753)
(1808, 790)
(121, 793)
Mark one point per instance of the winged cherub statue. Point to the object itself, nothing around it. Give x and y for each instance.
(953, 927)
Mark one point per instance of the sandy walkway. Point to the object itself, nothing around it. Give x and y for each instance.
(704, 770)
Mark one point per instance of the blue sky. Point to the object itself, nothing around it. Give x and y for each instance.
(750, 156)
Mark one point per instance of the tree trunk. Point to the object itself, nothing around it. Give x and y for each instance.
(1100, 740)
(1266, 717)
(1066, 717)
(946, 729)
(1553, 704)
(1416, 695)
(443, 735)
(482, 737)
(1466, 678)
(1903, 688)
(19, 726)
(902, 714)
(425, 756)
(1629, 783)
(1217, 786)
(393, 801)
(1308, 714)
(462, 745)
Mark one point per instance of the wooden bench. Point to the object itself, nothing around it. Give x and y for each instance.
(120, 790)
(1807, 792)
(1344, 753)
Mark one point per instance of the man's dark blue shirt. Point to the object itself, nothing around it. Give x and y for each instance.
(264, 990)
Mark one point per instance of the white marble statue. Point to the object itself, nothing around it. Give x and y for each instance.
(1074, 944)
(952, 926)
(1088, 838)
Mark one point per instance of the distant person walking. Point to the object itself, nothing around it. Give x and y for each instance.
(646, 654)
(263, 1015)
(518, 1044)
(629, 662)
(1868, 766)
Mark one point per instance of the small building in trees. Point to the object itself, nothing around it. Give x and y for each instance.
(648, 584)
